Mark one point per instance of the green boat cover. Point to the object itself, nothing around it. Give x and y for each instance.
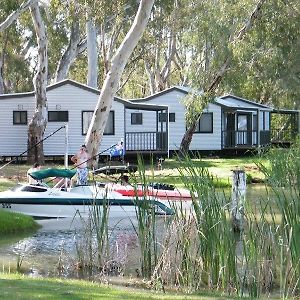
(45, 173)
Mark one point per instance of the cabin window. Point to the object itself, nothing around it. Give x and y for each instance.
(162, 117)
(171, 117)
(58, 116)
(136, 119)
(86, 117)
(205, 124)
(19, 117)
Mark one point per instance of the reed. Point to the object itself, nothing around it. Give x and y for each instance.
(283, 176)
(146, 224)
(200, 249)
(92, 244)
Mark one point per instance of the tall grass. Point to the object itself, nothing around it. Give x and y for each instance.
(199, 248)
(146, 225)
(283, 176)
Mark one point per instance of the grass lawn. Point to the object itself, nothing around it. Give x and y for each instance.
(221, 168)
(23, 287)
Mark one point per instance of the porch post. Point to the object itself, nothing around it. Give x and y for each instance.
(258, 129)
(125, 139)
(167, 131)
(161, 131)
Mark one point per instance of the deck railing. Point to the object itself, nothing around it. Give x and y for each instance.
(283, 135)
(244, 138)
(146, 141)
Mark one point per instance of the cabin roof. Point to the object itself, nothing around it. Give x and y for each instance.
(126, 103)
(182, 89)
(231, 101)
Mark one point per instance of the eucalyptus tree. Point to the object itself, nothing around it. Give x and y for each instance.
(14, 68)
(161, 45)
(211, 55)
(266, 66)
(71, 50)
(112, 78)
(38, 122)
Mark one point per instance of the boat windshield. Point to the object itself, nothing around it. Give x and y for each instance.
(16, 187)
(28, 188)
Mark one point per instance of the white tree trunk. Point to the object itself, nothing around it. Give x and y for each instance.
(15, 15)
(92, 54)
(38, 123)
(112, 79)
(70, 53)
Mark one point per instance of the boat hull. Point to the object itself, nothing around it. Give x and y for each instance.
(82, 201)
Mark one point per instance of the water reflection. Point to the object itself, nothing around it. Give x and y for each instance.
(58, 240)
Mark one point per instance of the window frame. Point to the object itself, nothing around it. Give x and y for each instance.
(20, 112)
(198, 128)
(58, 112)
(141, 118)
(104, 133)
(170, 119)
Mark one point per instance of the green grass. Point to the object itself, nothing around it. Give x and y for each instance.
(220, 168)
(23, 287)
(12, 223)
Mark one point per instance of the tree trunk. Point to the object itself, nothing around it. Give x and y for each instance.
(38, 123)
(71, 52)
(212, 86)
(92, 54)
(112, 79)
(186, 140)
(15, 15)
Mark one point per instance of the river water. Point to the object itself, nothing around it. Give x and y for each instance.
(53, 249)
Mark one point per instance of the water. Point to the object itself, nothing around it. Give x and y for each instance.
(51, 251)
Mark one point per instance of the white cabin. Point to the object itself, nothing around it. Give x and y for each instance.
(73, 103)
(229, 122)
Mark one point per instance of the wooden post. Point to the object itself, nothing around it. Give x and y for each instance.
(238, 199)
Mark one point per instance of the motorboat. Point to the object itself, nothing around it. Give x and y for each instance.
(158, 190)
(42, 201)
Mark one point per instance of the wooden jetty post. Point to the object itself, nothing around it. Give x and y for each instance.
(238, 199)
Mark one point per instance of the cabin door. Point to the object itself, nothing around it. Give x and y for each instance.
(244, 129)
(230, 130)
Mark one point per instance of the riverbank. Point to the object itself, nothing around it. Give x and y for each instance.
(14, 223)
(16, 286)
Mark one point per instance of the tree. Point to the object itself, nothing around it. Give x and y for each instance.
(210, 87)
(38, 123)
(112, 79)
